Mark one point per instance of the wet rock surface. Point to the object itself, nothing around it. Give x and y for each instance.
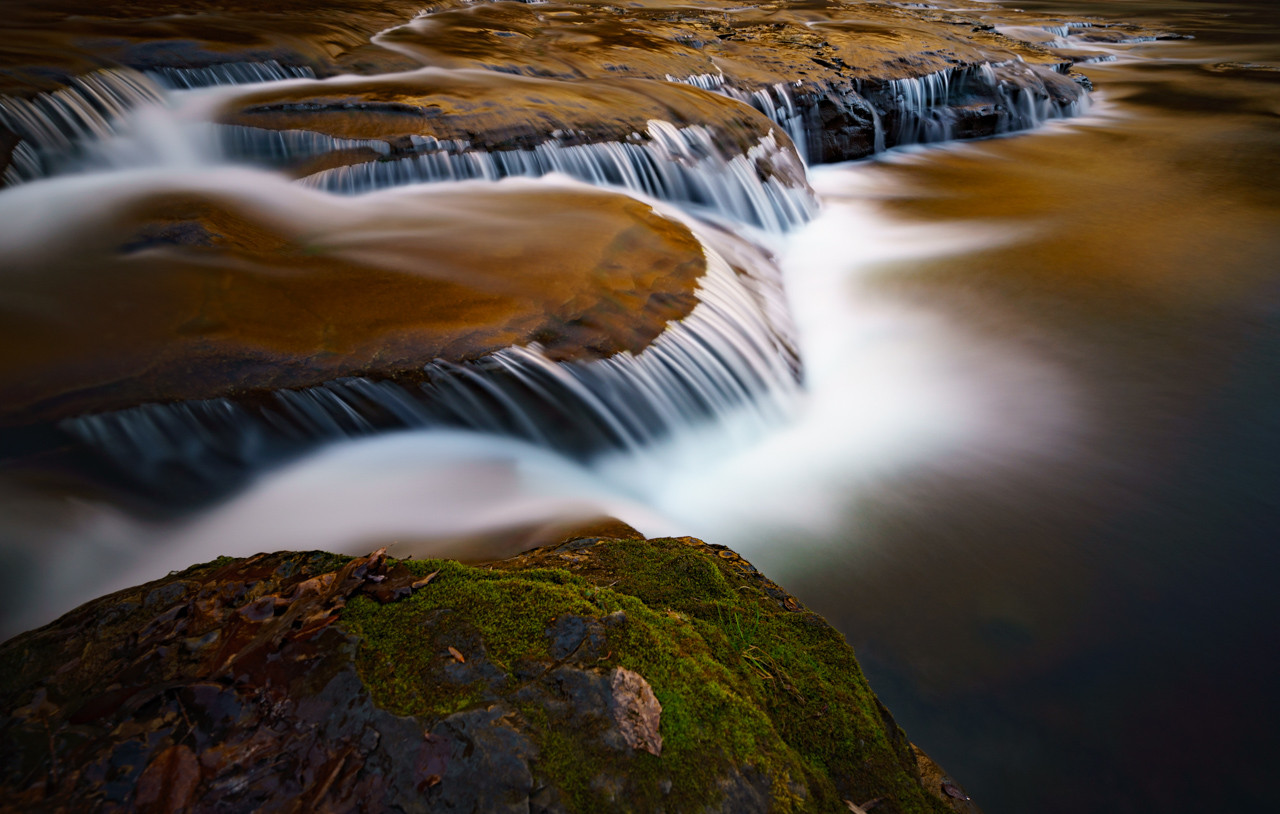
(487, 110)
(197, 295)
(834, 62)
(599, 674)
(831, 63)
(176, 293)
(51, 42)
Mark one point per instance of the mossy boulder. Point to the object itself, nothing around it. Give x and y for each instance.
(601, 674)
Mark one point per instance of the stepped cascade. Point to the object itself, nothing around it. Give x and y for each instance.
(713, 116)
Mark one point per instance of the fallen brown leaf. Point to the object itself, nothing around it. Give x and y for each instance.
(954, 791)
(453, 651)
(422, 582)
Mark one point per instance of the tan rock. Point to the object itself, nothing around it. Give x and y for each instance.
(170, 293)
(636, 711)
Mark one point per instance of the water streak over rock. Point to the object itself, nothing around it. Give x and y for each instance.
(246, 283)
(731, 351)
(827, 73)
(53, 125)
(672, 143)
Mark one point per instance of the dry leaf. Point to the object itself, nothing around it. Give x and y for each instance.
(453, 651)
(954, 791)
(420, 583)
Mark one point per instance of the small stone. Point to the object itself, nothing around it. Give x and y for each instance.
(636, 711)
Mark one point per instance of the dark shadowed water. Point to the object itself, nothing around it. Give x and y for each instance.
(1092, 624)
(1034, 476)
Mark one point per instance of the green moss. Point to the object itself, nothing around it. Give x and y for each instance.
(750, 683)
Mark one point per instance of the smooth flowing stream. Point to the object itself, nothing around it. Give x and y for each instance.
(1032, 472)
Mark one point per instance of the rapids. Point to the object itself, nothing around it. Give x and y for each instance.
(1004, 412)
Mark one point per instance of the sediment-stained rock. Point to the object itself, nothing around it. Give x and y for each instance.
(595, 675)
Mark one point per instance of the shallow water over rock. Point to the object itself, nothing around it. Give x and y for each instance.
(235, 284)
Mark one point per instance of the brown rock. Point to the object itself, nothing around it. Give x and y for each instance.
(177, 294)
(489, 110)
(635, 711)
(168, 784)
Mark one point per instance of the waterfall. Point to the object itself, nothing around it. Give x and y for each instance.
(934, 107)
(922, 109)
(731, 351)
(683, 165)
(278, 147)
(707, 81)
(53, 125)
(228, 73)
(24, 164)
(775, 102)
(1064, 30)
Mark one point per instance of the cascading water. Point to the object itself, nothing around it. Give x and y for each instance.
(228, 73)
(932, 108)
(924, 109)
(52, 125)
(273, 147)
(681, 165)
(728, 365)
(776, 102)
(733, 351)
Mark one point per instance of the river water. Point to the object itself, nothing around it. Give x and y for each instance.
(1073, 604)
(1034, 474)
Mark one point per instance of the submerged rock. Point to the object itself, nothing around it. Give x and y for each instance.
(596, 675)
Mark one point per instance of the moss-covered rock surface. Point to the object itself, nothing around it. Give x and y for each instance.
(596, 675)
